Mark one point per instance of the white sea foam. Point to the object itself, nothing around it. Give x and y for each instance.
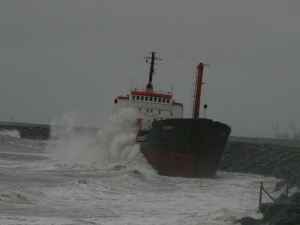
(19, 193)
(10, 133)
(114, 143)
(118, 138)
(42, 190)
(70, 144)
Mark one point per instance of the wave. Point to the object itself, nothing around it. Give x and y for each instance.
(19, 194)
(113, 145)
(10, 133)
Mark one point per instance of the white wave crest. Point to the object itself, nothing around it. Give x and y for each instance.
(69, 143)
(10, 133)
(118, 138)
(114, 143)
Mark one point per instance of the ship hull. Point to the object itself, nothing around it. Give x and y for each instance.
(185, 147)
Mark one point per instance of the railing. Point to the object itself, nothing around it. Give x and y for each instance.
(260, 195)
(154, 91)
(262, 189)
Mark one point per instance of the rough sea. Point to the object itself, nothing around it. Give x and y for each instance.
(84, 178)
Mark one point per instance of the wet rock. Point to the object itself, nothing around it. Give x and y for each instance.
(280, 185)
(82, 181)
(275, 211)
(295, 198)
(282, 212)
(250, 221)
(280, 161)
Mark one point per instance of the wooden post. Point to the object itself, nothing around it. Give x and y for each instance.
(287, 184)
(260, 196)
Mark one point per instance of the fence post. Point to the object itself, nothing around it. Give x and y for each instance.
(287, 184)
(260, 196)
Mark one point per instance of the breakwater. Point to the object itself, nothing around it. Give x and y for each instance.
(28, 130)
(268, 157)
(40, 131)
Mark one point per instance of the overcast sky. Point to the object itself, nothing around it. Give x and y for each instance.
(76, 56)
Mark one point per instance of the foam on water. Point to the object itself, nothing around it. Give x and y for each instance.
(10, 133)
(117, 195)
(84, 178)
(111, 146)
(19, 194)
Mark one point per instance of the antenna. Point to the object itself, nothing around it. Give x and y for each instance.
(153, 57)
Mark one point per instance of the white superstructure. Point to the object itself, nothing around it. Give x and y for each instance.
(150, 106)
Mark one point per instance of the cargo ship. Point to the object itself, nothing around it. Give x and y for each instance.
(173, 145)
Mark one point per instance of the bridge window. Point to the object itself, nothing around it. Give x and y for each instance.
(150, 99)
(164, 100)
(146, 98)
(133, 97)
(142, 98)
(159, 99)
(155, 99)
(137, 97)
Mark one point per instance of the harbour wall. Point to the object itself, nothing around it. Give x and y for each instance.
(27, 130)
(268, 157)
(39, 131)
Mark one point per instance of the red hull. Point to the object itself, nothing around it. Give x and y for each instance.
(177, 164)
(185, 147)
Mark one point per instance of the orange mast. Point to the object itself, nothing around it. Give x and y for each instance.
(198, 91)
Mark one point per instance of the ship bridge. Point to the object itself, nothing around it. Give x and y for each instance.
(150, 106)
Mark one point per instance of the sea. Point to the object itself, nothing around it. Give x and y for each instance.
(80, 177)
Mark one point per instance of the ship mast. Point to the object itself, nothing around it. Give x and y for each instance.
(198, 87)
(149, 87)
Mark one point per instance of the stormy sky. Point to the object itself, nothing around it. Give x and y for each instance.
(61, 57)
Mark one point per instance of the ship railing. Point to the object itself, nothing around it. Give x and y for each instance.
(154, 91)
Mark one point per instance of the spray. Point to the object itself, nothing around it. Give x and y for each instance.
(113, 145)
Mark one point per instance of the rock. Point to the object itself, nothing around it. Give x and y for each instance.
(295, 198)
(250, 221)
(283, 199)
(289, 220)
(82, 181)
(264, 206)
(283, 212)
(280, 185)
(276, 159)
(264, 158)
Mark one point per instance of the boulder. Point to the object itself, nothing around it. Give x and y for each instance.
(250, 221)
